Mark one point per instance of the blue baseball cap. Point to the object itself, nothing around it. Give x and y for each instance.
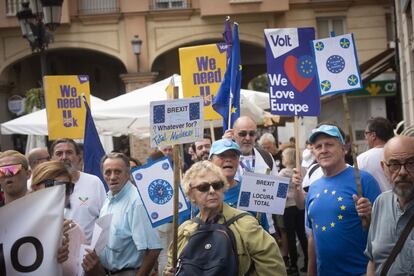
(329, 130)
(223, 145)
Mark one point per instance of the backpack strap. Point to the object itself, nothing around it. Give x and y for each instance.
(266, 157)
(313, 169)
(233, 219)
(398, 246)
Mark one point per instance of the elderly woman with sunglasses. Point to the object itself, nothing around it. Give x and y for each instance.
(49, 174)
(257, 252)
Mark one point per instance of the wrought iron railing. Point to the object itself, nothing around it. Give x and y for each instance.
(98, 6)
(169, 4)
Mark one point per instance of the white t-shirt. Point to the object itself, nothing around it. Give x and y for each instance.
(86, 202)
(370, 161)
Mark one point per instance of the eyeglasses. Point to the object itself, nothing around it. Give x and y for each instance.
(54, 182)
(244, 133)
(10, 170)
(394, 166)
(368, 132)
(205, 187)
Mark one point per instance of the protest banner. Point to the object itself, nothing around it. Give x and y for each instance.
(64, 106)
(202, 69)
(155, 186)
(176, 121)
(337, 64)
(29, 240)
(293, 87)
(291, 71)
(263, 193)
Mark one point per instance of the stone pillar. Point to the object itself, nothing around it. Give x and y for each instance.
(139, 147)
(6, 141)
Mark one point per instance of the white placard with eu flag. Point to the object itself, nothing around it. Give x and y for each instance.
(337, 64)
(263, 193)
(176, 121)
(155, 186)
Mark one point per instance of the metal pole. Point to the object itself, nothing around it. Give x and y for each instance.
(43, 64)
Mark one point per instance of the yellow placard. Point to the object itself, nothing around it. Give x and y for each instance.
(64, 105)
(202, 70)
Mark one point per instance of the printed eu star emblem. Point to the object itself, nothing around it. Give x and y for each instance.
(326, 226)
(325, 85)
(319, 46)
(352, 80)
(344, 42)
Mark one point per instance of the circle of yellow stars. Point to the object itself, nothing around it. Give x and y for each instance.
(307, 67)
(342, 207)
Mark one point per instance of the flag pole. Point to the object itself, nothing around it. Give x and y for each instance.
(230, 104)
(297, 149)
(176, 162)
(213, 136)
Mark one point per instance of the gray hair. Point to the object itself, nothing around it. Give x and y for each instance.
(200, 169)
(116, 155)
(267, 136)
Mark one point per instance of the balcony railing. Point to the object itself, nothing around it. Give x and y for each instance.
(169, 4)
(98, 6)
(12, 7)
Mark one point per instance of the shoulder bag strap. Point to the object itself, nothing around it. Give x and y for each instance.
(233, 219)
(398, 246)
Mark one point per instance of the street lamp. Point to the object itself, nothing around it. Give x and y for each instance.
(36, 18)
(136, 43)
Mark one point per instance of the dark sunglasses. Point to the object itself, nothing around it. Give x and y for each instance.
(205, 187)
(10, 170)
(53, 182)
(244, 133)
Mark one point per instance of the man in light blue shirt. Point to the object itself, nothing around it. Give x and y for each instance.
(133, 246)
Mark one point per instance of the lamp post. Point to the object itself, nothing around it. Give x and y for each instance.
(136, 43)
(37, 19)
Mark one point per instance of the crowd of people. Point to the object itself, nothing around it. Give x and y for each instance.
(346, 223)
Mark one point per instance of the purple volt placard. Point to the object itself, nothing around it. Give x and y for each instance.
(291, 72)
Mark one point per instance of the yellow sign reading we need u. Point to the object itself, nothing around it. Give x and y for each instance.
(64, 105)
(202, 70)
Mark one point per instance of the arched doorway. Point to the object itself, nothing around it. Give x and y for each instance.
(253, 60)
(24, 74)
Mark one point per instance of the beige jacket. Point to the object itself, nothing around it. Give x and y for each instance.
(254, 245)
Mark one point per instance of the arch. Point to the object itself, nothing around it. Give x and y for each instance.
(252, 54)
(62, 45)
(103, 69)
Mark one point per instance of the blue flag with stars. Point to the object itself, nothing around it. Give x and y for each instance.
(229, 91)
(92, 147)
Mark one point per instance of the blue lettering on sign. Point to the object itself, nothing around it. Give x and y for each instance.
(68, 119)
(69, 100)
(281, 40)
(175, 135)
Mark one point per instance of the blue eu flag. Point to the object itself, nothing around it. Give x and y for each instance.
(229, 90)
(92, 147)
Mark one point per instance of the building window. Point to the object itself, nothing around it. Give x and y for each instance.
(12, 7)
(169, 4)
(327, 25)
(390, 30)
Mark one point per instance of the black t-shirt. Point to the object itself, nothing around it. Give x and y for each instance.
(278, 160)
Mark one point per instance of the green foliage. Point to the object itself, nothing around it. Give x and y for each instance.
(34, 98)
(259, 83)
